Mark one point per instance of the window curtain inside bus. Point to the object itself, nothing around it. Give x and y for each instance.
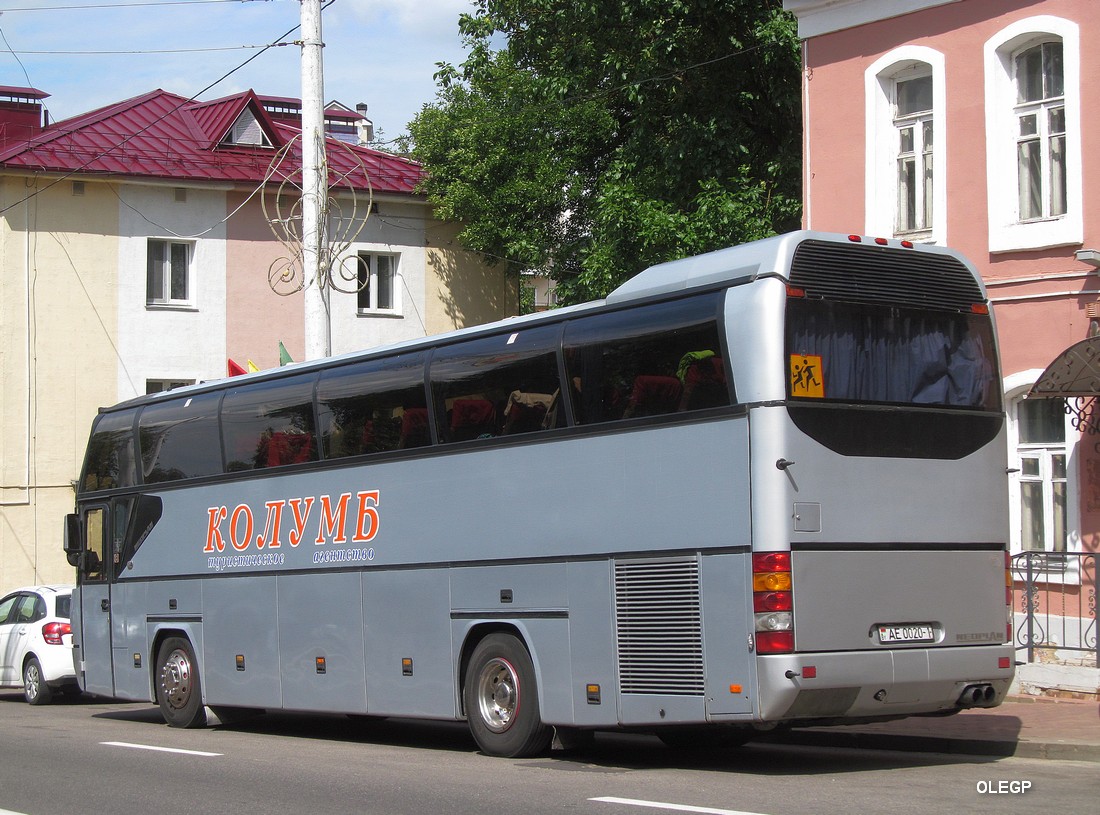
(899, 356)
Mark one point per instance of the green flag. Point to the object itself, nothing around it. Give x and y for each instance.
(284, 357)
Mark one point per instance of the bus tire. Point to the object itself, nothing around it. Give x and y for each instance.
(179, 692)
(501, 698)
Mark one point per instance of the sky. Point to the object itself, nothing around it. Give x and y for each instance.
(381, 52)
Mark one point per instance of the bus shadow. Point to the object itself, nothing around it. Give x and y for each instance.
(412, 733)
(607, 752)
(610, 752)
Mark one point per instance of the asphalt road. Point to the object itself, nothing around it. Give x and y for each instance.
(105, 757)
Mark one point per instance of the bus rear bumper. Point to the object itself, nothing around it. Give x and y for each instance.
(881, 684)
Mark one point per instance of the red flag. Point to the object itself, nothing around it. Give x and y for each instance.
(235, 369)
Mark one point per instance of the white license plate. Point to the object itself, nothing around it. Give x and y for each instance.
(906, 633)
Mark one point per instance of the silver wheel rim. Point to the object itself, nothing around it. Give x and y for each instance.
(498, 694)
(31, 680)
(175, 680)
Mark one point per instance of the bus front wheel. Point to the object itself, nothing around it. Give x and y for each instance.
(178, 691)
(501, 698)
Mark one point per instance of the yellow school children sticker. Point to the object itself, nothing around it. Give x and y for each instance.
(806, 379)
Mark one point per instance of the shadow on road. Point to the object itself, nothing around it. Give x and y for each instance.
(605, 753)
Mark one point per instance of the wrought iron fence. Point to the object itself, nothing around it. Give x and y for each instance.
(1057, 602)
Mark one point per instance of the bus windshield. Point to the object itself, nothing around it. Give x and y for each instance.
(878, 354)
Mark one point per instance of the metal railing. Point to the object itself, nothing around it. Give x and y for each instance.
(1056, 596)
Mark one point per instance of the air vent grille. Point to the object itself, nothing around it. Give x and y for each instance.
(659, 627)
(881, 274)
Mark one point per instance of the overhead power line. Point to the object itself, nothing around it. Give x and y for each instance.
(137, 133)
(156, 50)
(82, 6)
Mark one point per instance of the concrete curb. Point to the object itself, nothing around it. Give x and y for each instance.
(1059, 751)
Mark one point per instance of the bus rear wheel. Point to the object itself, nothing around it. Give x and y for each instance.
(501, 699)
(178, 691)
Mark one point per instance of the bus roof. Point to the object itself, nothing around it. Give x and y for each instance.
(736, 264)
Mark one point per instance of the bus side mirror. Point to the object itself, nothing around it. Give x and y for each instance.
(74, 539)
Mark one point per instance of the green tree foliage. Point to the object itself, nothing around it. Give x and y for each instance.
(592, 138)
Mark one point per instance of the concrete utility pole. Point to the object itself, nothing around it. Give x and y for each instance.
(318, 323)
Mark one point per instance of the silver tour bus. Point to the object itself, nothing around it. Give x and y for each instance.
(760, 487)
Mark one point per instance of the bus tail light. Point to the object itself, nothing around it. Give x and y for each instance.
(53, 632)
(773, 602)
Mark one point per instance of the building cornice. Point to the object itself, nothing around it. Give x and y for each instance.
(817, 17)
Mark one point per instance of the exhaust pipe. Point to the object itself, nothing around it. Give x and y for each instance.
(982, 695)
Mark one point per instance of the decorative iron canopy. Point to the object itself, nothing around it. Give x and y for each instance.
(1075, 376)
(1075, 372)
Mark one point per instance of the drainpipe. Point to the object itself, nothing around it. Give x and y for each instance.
(28, 363)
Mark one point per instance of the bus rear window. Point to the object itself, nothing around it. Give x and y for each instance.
(856, 353)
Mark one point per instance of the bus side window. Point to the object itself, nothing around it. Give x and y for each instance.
(111, 459)
(269, 424)
(373, 406)
(654, 360)
(180, 439)
(496, 386)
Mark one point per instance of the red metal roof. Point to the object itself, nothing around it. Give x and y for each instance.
(22, 93)
(164, 135)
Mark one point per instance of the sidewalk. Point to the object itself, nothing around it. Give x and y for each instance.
(1023, 726)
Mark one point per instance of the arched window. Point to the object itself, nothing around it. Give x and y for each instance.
(1033, 135)
(915, 140)
(905, 145)
(1041, 130)
(1042, 485)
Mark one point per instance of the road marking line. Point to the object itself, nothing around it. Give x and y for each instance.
(674, 807)
(158, 749)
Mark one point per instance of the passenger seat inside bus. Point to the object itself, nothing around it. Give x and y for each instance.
(525, 412)
(471, 418)
(654, 396)
(414, 428)
(281, 448)
(704, 385)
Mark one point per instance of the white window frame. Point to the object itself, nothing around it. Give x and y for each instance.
(164, 272)
(882, 141)
(1016, 388)
(373, 309)
(918, 155)
(1007, 231)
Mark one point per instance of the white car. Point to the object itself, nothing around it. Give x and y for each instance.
(36, 642)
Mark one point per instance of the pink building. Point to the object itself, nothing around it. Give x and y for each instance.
(963, 122)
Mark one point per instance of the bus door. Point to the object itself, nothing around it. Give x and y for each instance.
(92, 643)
